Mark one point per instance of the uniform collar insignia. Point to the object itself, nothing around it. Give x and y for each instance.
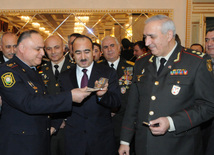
(151, 59)
(209, 65)
(178, 57)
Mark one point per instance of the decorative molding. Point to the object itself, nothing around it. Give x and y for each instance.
(202, 8)
(188, 36)
(88, 11)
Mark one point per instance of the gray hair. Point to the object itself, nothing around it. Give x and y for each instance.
(167, 23)
(108, 37)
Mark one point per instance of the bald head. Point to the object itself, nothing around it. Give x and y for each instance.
(8, 44)
(54, 48)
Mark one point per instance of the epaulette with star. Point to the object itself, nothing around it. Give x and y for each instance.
(45, 64)
(130, 63)
(46, 59)
(195, 53)
(99, 61)
(143, 55)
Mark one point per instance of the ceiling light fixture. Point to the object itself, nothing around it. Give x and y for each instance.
(36, 25)
(42, 29)
(25, 18)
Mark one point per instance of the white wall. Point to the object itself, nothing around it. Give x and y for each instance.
(179, 7)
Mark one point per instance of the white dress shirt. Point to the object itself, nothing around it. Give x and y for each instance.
(79, 73)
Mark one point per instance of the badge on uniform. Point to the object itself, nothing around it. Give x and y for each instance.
(175, 89)
(123, 90)
(127, 76)
(209, 65)
(142, 74)
(32, 85)
(8, 79)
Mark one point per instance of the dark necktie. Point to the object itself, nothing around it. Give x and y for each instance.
(112, 65)
(56, 71)
(84, 81)
(162, 61)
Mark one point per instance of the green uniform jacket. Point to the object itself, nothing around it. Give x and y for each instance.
(183, 90)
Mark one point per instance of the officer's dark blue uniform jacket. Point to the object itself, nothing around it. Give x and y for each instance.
(24, 124)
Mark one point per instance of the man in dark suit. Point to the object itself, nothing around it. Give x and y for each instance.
(208, 127)
(171, 95)
(89, 127)
(50, 71)
(124, 68)
(70, 54)
(24, 123)
(7, 46)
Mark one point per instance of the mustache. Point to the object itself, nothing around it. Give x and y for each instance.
(83, 60)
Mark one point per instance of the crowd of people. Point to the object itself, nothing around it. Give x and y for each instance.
(145, 98)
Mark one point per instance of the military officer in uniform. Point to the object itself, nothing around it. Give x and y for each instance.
(50, 71)
(171, 95)
(124, 68)
(24, 123)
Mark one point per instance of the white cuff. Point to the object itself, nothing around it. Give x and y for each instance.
(124, 143)
(171, 124)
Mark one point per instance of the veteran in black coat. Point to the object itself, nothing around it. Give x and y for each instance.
(173, 103)
(124, 73)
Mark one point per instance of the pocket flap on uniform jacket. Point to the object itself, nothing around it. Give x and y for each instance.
(179, 80)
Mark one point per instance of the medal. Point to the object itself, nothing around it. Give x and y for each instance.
(123, 90)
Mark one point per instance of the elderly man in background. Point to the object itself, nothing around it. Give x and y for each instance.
(8, 46)
(124, 68)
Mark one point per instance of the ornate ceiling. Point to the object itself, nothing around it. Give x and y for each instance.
(94, 24)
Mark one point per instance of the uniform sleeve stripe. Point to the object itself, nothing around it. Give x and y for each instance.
(188, 117)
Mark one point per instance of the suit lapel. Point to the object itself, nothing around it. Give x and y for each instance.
(93, 76)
